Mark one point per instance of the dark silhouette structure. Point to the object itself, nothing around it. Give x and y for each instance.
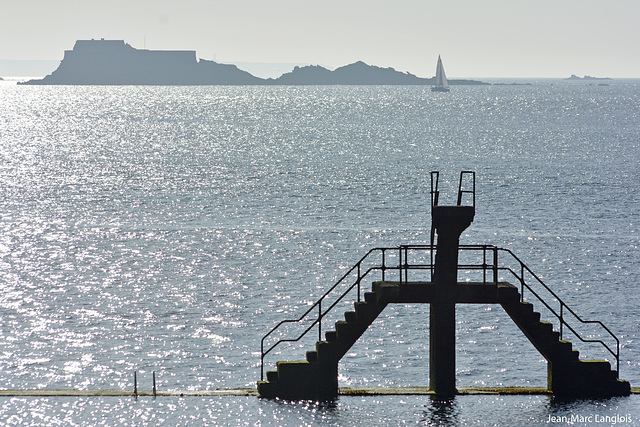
(114, 62)
(316, 378)
(448, 223)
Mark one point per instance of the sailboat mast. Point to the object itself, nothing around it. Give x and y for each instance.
(441, 83)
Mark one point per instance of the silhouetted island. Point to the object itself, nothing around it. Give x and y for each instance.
(357, 73)
(574, 77)
(114, 62)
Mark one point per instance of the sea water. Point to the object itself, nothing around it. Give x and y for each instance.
(166, 229)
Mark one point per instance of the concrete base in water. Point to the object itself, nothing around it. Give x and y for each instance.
(240, 392)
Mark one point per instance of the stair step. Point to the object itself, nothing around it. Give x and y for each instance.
(528, 318)
(331, 335)
(371, 297)
(267, 389)
(325, 349)
(541, 331)
(596, 366)
(272, 376)
(362, 307)
(351, 316)
(565, 345)
(367, 312)
(329, 352)
(545, 327)
(344, 330)
(508, 294)
(312, 356)
(526, 306)
(523, 311)
(566, 352)
(293, 369)
(586, 378)
(544, 334)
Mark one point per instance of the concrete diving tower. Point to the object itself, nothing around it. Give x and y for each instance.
(316, 378)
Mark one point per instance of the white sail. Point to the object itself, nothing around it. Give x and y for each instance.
(441, 78)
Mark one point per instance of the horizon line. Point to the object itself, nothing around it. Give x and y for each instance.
(305, 64)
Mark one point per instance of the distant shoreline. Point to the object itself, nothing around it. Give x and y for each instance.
(114, 62)
(87, 64)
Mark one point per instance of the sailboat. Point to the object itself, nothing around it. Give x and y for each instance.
(441, 84)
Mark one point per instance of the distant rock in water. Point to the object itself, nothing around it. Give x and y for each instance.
(311, 74)
(574, 77)
(114, 62)
(357, 73)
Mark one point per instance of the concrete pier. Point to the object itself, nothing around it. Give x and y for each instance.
(242, 392)
(449, 222)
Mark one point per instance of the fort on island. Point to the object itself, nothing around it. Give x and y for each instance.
(114, 62)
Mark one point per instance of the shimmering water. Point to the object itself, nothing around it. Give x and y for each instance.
(167, 229)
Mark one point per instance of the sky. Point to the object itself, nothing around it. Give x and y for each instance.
(476, 38)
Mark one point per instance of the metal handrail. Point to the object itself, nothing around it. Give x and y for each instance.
(404, 266)
(563, 306)
(435, 193)
(318, 304)
(473, 188)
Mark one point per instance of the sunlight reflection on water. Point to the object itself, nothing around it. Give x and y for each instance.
(167, 228)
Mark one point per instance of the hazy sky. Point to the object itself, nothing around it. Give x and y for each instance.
(476, 38)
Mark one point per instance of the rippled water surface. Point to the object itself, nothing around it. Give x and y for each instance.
(168, 229)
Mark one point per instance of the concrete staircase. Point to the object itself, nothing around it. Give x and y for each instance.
(317, 377)
(567, 375)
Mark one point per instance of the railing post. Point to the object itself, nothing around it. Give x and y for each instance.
(495, 264)
(431, 249)
(406, 265)
(400, 262)
(561, 319)
(358, 282)
(319, 320)
(406, 261)
(521, 282)
(484, 264)
(384, 266)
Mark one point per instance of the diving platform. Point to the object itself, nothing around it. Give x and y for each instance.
(427, 292)
(430, 274)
